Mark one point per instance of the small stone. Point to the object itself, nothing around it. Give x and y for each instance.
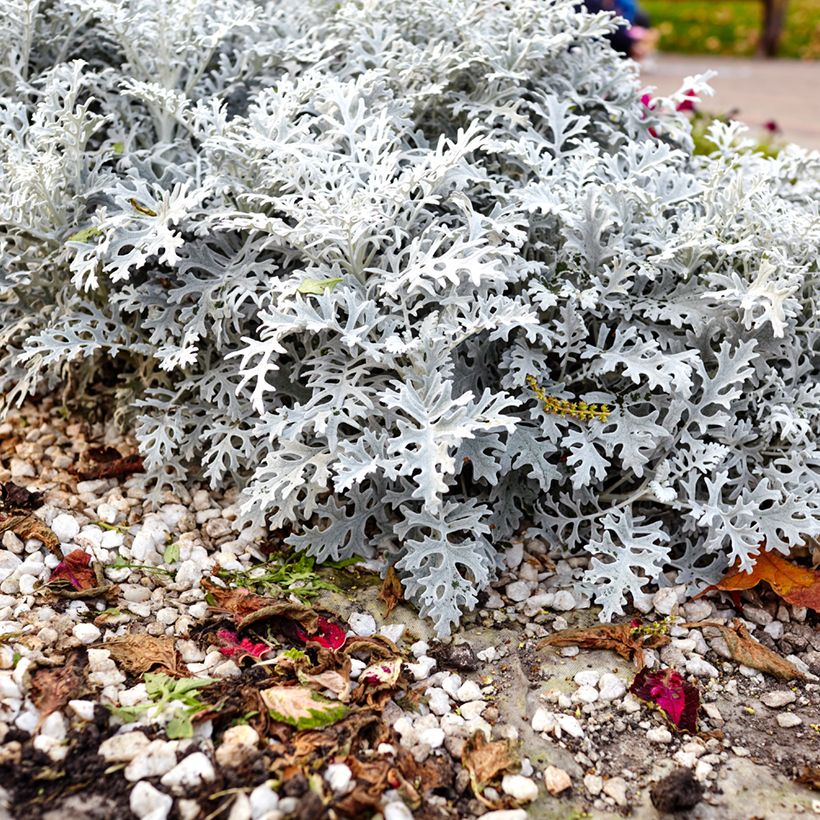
(363, 624)
(459, 656)
(799, 614)
(238, 745)
(564, 601)
(393, 632)
(65, 527)
(611, 687)
(147, 802)
(587, 677)
(757, 615)
(83, 709)
(570, 725)
(192, 772)
(107, 513)
(778, 698)
(419, 648)
(664, 601)
(593, 784)
(438, 701)
(519, 787)
(615, 788)
(775, 630)
(701, 668)
(21, 469)
(421, 670)
(263, 800)
(788, 720)
(556, 780)
(338, 776)
(586, 694)
(86, 633)
(685, 759)
(659, 734)
(396, 810)
(518, 591)
(698, 610)
(703, 770)
(240, 809)
(679, 791)
(472, 709)
(543, 721)
(469, 690)
(434, 737)
(155, 760)
(123, 748)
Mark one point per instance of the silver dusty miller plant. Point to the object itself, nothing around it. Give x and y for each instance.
(323, 245)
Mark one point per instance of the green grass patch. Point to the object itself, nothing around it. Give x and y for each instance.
(732, 28)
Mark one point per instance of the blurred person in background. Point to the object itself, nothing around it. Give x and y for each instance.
(634, 38)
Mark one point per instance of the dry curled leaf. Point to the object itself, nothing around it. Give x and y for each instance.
(746, 650)
(627, 640)
(140, 653)
(301, 707)
(391, 592)
(75, 569)
(485, 760)
(809, 776)
(106, 462)
(796, 585)
(52, 688)
(25, 525)
(14, 497)
(248, 608)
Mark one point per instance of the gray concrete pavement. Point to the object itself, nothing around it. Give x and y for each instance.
(786, 91)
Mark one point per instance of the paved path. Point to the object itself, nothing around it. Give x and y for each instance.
(786, 91)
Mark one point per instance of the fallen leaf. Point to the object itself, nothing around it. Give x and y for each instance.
(391, 592)
(383, 674)
(52, 688)
(327, 634)
(809, 776)
(25, 525)
(677, 698)
(797, 585)
(106, 462)
(248, 608)
(76, 569)
(139, 653)
(746, 650)
(301, 707)
(19, 498)
(628, 640)
(485, 760)
(235, 646)
(331, 680)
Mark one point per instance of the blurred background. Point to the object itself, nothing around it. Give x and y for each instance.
(766, 53)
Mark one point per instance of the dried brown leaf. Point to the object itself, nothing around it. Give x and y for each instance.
(628, 641)
(809, 776)
(141, 653)
(485, 760)
(14, 497)
(52, 688)
(106, 462)
(391, 592)
(746, 650)
(26, 525)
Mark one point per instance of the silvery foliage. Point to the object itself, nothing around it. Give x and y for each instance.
(323, 244)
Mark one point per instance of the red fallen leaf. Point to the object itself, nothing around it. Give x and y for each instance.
(677, 698)
(76, 569)
(15, 497)
(328, 634)
(235, 646)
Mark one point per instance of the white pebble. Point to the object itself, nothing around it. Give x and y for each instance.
(611, 687)
(338, 777)
(393, 632)
(149, 803)
(564, 601)
(469, 690)
(192, 772)
(396, 810)
(438, 701)
(157, 758)
(659, 734)
(788, 720)
(86, 633)
(586, 694)
(434, 737)
(778, 698)
(543, 721)
(517, 591)
(570, 725)
(362, 624)
(65, 527)
(519, 787)
(587, 677)
(665, 600)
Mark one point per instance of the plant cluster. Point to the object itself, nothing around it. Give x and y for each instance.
(317, 248)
